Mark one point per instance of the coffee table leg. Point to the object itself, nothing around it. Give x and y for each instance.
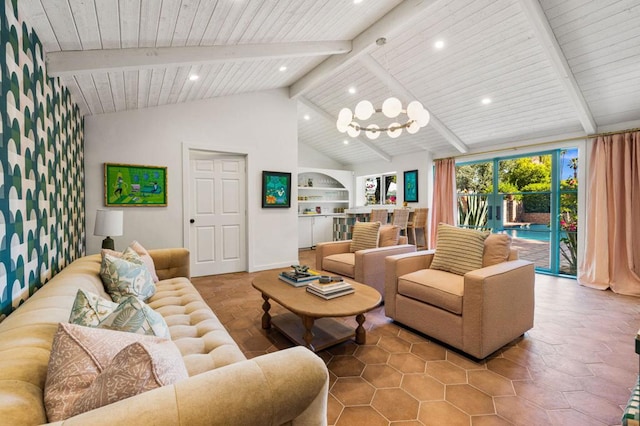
(308, 334)
(361, 334)
(266, 317)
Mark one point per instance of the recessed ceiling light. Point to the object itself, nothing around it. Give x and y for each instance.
(194, 77)
(357, 1)
(352, 90)
(307, 117)
(439, 44)
(283, 68)
(346, 142)
(486, 101)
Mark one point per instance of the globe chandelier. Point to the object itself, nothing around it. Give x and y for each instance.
(413, 118)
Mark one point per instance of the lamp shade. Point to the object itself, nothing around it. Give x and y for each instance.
(108, 223)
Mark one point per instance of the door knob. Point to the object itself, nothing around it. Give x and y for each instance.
(192, 221)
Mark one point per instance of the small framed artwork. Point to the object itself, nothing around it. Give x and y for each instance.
(276, 189)
(411, 186)
(135, 185)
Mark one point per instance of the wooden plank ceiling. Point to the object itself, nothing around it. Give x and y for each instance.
(550, 67)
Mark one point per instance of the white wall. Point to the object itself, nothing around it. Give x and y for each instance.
(263, 125)
(309, 157)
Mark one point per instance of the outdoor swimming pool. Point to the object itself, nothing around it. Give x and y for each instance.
(538, 232)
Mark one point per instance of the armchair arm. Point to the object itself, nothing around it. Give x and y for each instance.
(285, 387)
(498, 303)
(327, 249)
(370, 264)
(171, 262)
(397, 266)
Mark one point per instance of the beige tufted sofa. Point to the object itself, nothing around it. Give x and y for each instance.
(224, 388)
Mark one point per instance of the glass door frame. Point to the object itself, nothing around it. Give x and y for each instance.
(495, 202)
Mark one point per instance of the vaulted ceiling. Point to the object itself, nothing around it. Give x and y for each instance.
(549, 67)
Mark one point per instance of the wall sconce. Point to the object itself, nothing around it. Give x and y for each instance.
(109, 223)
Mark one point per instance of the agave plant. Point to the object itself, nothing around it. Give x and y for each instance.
(472, 211)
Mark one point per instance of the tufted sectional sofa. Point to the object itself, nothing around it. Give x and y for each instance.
(224, 388)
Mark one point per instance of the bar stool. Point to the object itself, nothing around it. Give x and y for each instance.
(419, 224)
(401, 219)
(379, 215)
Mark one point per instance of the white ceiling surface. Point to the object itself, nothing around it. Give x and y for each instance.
(553, 67)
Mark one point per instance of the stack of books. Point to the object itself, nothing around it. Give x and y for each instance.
(298, 279)
(330, 290)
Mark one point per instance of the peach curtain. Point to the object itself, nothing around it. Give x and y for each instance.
(612, 250)
(443, 207)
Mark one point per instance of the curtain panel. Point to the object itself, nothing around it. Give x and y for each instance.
(443, 207)
(612, 246)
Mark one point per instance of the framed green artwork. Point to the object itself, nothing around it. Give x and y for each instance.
(411, 186)
(276, 189)
(135, 185)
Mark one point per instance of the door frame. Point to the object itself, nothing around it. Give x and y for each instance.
(187, 147)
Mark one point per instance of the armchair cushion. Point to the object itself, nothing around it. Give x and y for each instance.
(365, 236)
(342, 264)
(458, 250)
(437, 288)
(389, 235)
(497, 248)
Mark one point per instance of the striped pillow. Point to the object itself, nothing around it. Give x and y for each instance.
(365, 236)
(458, 250)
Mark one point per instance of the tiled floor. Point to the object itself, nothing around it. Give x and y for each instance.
(575, 367)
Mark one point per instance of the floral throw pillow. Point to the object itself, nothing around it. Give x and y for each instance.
(130, 315)
(126, 275)
(135, 316)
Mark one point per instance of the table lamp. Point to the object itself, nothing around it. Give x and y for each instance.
(108, 224)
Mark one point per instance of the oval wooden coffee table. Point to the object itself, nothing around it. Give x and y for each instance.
(310, 321)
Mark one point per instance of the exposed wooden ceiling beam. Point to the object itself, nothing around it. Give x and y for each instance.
(332, 121)
(405, 94)
(403, 15)
(538, 20)
(90, 61)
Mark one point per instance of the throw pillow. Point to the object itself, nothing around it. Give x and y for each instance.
(458, 250)
(89, 368)
(365, 236)
(497, 248)
(89, 309)
(144, 256)
(135, 316)
(389, 235)
(126, 275)
(131, 315)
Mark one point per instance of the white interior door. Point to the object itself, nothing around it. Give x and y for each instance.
(217, 216)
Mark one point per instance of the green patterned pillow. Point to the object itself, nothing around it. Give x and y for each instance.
(134, 316)
(458, 250)
(131, 315)
(126, 275)
(365, 236)
(89, 309)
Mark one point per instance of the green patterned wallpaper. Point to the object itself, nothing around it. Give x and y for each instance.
(41, 167)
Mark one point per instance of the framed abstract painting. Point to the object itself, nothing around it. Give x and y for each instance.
(411, 186)
(276, 189)
(135, 185)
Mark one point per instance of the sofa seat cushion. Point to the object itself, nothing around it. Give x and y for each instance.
(201, 338)
(435, 287)
(342, 264)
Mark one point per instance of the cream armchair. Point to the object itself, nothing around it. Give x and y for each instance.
(478, 312)
(364, 266)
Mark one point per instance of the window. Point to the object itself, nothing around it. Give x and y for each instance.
(380, 189)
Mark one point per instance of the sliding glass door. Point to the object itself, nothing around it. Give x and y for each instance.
(533, 198)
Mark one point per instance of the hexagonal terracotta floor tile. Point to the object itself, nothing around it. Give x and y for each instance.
(469, 399)
(372, 354)
(382, 376)
(394, 344)
(429, 351)
(346, 366)
(361, 416)
(395, 404)
(423, 387)
(407, 363)
(353, 391)
(446, 372)
(491, 383)
(438, 413)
